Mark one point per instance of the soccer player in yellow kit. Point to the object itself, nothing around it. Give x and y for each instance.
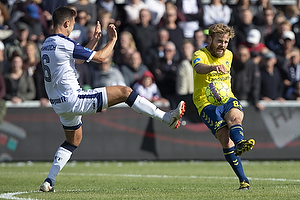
(213, 63)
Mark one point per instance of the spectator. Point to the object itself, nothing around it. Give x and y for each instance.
(200, 39)
(107, 74)
(36, 20)
(294, 73)
(157, 51)
(193, 14)
(134, 70)
(291, 13)
(284, 54)
(170, 5)
(132, 9)
(273, 42)
(157, 9)
(242, 29)
(295, 93)
(165, 70)
(170, 24)
(17, 44)
(144, 33)
(261, 6)
(257, 57)
(50, 5)
(237, 10)
(32, 58)
(267, 25)
(296, 27)
(246, 77)
(4, 17)
(216, 12)
(79, 32)
(19, 85)
(253, 41)
(146, 87)
(3, 35)
(118, 14)
(89, 8)
(185, 77)
(82, 17)
(124, 47)
(271, 81)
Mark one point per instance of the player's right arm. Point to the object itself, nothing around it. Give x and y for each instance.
(201, 63)
(201, 68)
(102, 54)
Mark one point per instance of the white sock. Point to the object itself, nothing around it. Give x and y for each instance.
(61, 158)
(145, 107)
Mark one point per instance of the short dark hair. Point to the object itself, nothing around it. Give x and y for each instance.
(61, 14)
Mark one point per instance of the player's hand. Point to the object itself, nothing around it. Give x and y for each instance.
(112, 32)
(220, 69)
(98, 31)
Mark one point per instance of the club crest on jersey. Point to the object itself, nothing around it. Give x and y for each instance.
(227, 63)
(197, 60)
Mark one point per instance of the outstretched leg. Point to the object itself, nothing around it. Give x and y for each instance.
(114, 95)
(119, 94)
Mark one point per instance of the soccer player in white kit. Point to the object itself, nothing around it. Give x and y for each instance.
(58, 56)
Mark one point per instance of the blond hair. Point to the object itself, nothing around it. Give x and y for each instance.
(221, 29)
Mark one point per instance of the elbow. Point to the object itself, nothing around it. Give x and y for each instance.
(99, 57)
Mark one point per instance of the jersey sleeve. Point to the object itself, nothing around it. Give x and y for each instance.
(83, 53)
(198, 57)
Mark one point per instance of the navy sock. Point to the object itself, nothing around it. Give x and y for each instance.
(132, 97)
(68, 146)
(235, 162)
(236, 133)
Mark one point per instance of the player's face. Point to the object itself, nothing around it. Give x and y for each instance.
(218, 45)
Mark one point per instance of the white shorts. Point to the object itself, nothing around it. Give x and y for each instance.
(87, 102)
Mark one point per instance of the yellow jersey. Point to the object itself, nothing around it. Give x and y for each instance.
(202, 80)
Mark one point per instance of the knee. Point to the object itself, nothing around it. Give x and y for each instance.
(126, 90)
(234, 120)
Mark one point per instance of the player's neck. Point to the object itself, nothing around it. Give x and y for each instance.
(60, 31)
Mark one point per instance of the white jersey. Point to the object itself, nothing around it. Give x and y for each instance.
(58, 56)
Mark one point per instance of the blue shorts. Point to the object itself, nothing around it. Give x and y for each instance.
(213, 116)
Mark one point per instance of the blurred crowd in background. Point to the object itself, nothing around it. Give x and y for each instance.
(156, 42)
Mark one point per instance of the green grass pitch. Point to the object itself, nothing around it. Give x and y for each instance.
(151, 180)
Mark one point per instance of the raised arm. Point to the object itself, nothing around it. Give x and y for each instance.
(96, 37)
(102, 54)
(201, 68)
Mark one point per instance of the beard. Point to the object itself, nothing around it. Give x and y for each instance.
(217, 52)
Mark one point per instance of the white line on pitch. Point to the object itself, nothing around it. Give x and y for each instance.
(187, 177)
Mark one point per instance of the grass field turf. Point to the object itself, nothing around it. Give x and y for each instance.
(151, 180)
